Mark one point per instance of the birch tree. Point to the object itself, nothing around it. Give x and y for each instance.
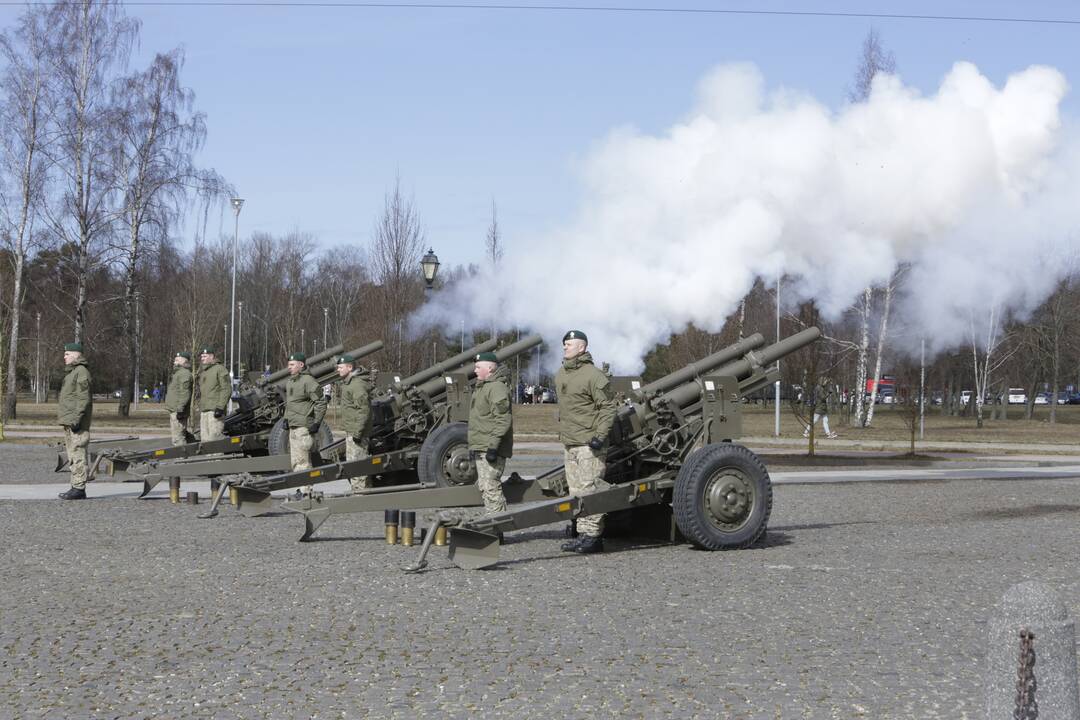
(987, 355)
(22, 119)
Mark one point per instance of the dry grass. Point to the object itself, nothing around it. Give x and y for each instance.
(105, 414)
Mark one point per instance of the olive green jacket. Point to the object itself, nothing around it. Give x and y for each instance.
(214, 387)
(304, 400)
(356, 403)
(178, 394)
(821, 399)
(76, 405)
(491, 420)
(586, 401)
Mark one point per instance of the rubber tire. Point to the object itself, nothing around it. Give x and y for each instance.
(429, 466)
(277, 443)
(688, 497)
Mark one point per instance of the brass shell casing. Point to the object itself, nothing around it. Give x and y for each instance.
(174, 490)
(440, 536)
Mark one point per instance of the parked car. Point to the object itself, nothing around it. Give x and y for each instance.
(1017, 396)
(1042, 398)
(547, 396)
(965, 397)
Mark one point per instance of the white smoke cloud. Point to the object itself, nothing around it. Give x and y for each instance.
(970, 185)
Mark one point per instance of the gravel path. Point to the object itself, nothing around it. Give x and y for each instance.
(864, 601)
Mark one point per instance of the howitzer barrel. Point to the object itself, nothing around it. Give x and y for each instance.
(449, 364)
(329, 368)
(705, 365)
(437, 385)
(284, 373)
(742, 369)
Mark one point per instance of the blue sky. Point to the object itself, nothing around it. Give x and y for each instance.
(313, 111)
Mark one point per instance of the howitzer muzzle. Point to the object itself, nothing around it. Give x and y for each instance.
(449, 364)
(283, 374)
(437, 385)
(327, 371)
(703, 366)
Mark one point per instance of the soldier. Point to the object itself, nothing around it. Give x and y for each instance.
(74, 413)
(178, 397)
(491, 429)
(305, 406)
(215, 388)
(355, 413)
(586, 413)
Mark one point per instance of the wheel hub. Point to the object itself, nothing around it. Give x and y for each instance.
(729, 497)
(458, 467)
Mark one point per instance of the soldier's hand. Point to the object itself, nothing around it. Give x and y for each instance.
(218, 413)
(181, 417)
(492, 456)
(313, 428)
(74, 428)
(596, 442)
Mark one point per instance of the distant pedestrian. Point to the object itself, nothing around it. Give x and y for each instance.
(520, 392)
(822, 396)
(74, 413)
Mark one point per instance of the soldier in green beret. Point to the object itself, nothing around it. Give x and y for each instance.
(74, 413)
(178, 397)
(356, 383)
(215, 389)
(491, 429)
(586, 414)
(305, 407)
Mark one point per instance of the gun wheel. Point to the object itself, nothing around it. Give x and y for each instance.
(445, 459)
(722, 497)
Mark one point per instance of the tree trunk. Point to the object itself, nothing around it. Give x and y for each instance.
(17, 293)
(860, 363)
(880, 352)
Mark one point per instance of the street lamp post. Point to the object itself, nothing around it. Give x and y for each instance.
(266, 340)
(429, 266)
(777, 429)
(325, 326)
(301, 339)
(240, 339)
(237, 203)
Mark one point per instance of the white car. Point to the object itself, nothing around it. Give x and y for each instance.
(1017, 396)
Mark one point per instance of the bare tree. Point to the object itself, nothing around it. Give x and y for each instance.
(987, 356)
(158, 135)
(397, 242)
(23, 88)
(493, 250)
(88, 42)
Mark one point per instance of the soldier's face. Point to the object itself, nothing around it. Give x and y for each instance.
(71, 356)
(206, 358)
(343, 370)
(179, 361)
(484, 369)
(572, 347)
(295, 366)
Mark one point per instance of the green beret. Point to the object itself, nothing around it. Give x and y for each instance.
(487, 357)
(208, 350)
(576, 335)
(298, 356)
(184, 354)
(346, 360)
(72, 347)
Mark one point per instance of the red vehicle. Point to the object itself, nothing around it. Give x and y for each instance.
(886, 389)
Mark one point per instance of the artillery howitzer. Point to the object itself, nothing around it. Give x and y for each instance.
(418, 427)
(318, 509)
(254, 430)
(670, 449)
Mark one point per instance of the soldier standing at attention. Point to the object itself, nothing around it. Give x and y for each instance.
(586, 413)
(355, 414)
(305, 406)
(74, 413)
(491, 429)
(214, 392)
(178, 397)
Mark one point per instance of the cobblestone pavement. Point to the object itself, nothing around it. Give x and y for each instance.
(865, 600)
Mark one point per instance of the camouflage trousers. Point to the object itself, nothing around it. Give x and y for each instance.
(210, 427)
(76, 444)
(354, 451)
(584, 475)
(489, 482)
(300, 442)
(178, 429)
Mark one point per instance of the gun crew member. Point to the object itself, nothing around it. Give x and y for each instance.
(356, 383)
(491, 429)
(215, 388)
(305, 407)
(74, 413)
(586, 414)
(178, 397)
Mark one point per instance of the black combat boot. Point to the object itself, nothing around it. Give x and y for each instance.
(73, 494)
(572, 546)
(589, 545)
